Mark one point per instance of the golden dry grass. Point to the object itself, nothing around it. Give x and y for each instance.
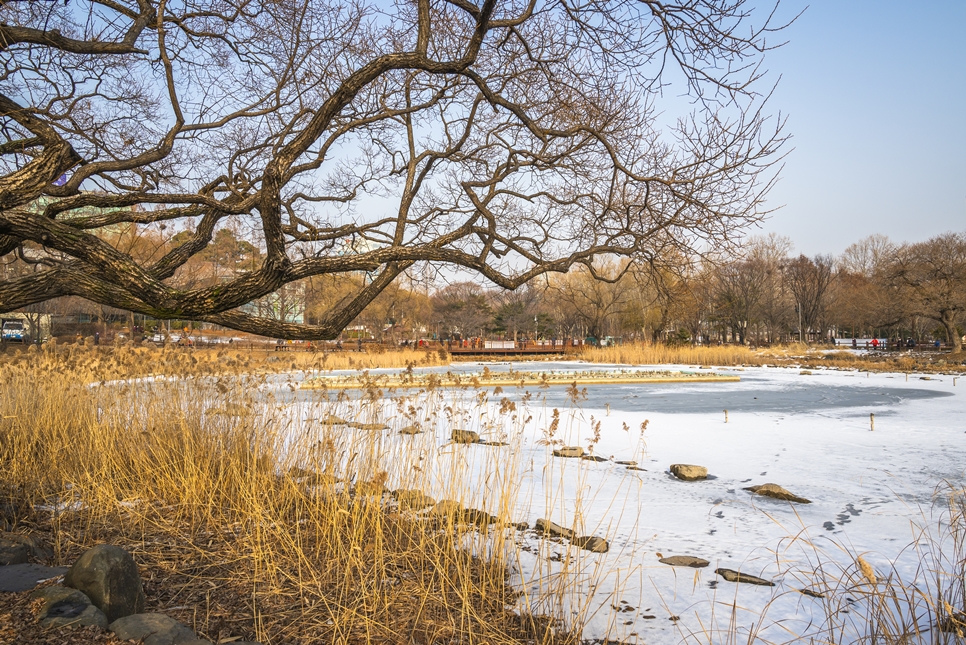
(659, 354)
(237, 532)
(794, 354)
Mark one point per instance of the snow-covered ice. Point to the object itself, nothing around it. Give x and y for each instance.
(810, 433)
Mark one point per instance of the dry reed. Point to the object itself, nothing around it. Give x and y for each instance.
(240, 529)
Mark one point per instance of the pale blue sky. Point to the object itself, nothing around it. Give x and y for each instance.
(875, 94)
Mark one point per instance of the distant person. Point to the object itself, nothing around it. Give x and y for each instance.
(937, 344)
(855, 344)
(875, 343)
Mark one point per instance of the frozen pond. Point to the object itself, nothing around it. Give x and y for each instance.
(870, 490)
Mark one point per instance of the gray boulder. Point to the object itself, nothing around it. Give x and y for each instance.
(548, 527)
(64, 606)
(154, 629)
(689, 472)
(685, 561)
(109, 577)
(777, 492)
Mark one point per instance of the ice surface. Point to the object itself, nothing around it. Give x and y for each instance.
(808, 433)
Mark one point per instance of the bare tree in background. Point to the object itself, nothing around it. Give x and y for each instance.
(462, 309)
(509, 139)
(864, 298)
(809, 281)
(589, 299)
(931, 276)
(739, 290)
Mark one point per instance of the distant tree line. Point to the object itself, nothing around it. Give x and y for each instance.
(758, 293)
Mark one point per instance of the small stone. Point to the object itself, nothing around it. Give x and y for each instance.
(465, 436)
(626, 462)
(372, 426)
(332, 420)
(548, 527)
(777, 492)
(410, 430)
(643, 470)
(153, 629)
(810, 593)
(109, 576)
(64, 606)
(593, 458)
(412, 500)
(477, 517)
(569, 451)
(591, 543)
(736, 576)
(689, 472)
(685, 561)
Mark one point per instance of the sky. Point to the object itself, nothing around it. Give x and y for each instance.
(875, 95)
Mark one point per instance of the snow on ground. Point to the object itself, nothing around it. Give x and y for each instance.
(808, 433)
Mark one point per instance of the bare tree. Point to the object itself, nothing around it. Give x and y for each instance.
(516, 311)
(809, 281)
(510, 139)
(592, 297)
(738, 293)
(462, 308)
(864, 298)
(932, 278)
(775, 309)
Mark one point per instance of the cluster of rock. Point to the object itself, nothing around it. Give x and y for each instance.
(590, 543)
(728, 574)
(452, 511)
(103, 588)
(691, 473)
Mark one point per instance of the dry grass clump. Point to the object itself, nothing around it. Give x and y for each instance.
(924, 604)
(131, 361)
(241, 529)
(793, 354)
(657, 354)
